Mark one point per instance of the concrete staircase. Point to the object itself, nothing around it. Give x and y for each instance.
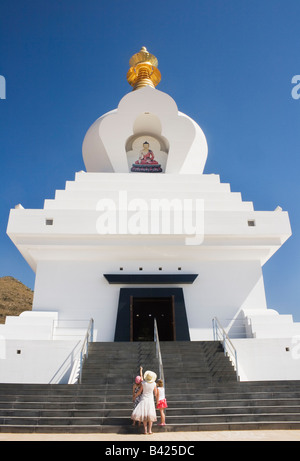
(195, 364)
(201, 387)
(117, 364)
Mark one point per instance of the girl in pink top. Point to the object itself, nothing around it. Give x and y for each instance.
(161, 401)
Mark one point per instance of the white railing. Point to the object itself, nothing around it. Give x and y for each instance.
(229, 349)
(158, 353)
(76, 373)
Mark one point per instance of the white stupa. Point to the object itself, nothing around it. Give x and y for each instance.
(144, 233)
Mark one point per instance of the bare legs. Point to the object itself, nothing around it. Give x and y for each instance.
(149, 424)
(162, 417)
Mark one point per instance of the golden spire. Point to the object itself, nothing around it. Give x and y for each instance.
(143, 70)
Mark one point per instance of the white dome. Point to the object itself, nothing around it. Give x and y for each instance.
(151, 115)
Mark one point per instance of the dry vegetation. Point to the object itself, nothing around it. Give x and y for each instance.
(14, 297)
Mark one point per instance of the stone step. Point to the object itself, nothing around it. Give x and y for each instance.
(127, 405)
(171, 420)
(179, 411)
(213, 392)
(128, 429)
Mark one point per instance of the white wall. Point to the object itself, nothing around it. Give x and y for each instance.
(39, 361)
(268, 359)
(36, 347)
(221, 290)
(78, 290)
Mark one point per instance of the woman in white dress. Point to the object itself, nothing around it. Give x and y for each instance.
(145, 411)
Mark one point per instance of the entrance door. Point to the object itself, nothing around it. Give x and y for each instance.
(144, 310)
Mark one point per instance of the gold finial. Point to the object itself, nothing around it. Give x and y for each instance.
(143, 70)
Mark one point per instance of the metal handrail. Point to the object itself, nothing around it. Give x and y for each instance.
(89, 337)
(84, 352)
(158, 353)
(229, 349)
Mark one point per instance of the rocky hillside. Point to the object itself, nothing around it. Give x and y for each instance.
(14, 297)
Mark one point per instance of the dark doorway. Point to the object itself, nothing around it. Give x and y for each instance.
(124, 330)
(143, 312)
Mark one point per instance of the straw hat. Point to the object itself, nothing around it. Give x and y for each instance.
(150, 376)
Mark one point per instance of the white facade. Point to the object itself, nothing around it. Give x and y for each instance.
(109, 221)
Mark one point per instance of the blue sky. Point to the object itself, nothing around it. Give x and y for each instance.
(227, 63)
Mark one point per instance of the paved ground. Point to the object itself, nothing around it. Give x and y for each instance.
(273, 435)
